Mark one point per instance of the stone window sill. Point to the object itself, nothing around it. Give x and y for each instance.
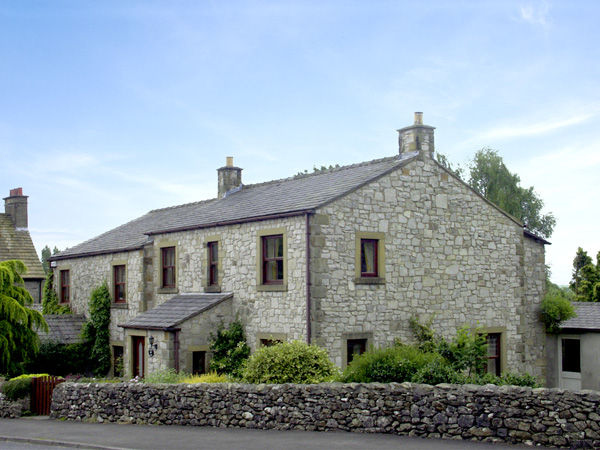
(369, 280)
(212, 289)
(119, 305)
(168, 291)
(272, 288)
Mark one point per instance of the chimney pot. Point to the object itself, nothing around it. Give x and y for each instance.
(229, 161)
(16, 192)
(418, 118)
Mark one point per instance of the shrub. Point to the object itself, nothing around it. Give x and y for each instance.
(389, 364)
(230, 349)
(289, 362)
(169, 376)
(17, 388)
(556, 308)
(61, 359)
(212, 377)
(438, 371)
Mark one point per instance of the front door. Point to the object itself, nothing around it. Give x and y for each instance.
(569, 360)
(138, 344)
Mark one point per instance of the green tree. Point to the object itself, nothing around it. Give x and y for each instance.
(556, 308)
(586, 277)
(230, 349)
(489, 176)
(19, 342)
(581, 260)
(96, 330)
(46, 253)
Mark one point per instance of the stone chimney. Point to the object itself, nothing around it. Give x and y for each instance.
(417, 138)
(230, 177)
(16, 207)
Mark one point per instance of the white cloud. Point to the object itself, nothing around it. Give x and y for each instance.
(539, 15)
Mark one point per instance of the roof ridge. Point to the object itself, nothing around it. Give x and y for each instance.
(199, 202)
(323, 171)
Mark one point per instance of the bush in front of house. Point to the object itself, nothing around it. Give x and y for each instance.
(62, 359)
(230, 350)
(396, 364)
(17, 388)
(212, 377)
(289, 362)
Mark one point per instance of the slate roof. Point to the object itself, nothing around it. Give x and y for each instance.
(63, 328)
(176, 311)
(588, 317)
(17, 244)
(290, 196)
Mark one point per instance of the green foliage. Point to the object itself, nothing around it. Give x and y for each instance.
(289, 362)
(586, 277)
(556, 308)
(62, 359)
(50, 299)
(466, 352)
(96, 331)
(439, 371)
(17, 388)
(212, 377)
(46, 253)
(18, 339)
(489, 176)
(169, 376)
(386, 365)
(230, 350)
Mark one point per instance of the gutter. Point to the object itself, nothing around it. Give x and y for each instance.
(308, 282)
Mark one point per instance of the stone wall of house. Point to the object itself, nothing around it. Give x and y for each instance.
(90, 272)
(448, 254)
(263, 312)
(487, 413)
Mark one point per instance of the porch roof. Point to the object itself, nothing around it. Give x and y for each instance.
(175, 311)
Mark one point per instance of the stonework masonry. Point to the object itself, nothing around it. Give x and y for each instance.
(509, 414)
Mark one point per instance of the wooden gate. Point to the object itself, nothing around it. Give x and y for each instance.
(41, 394)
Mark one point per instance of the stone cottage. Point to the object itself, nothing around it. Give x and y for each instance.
(341, 258)
(16, 243)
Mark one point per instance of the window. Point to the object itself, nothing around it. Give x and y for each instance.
(270, 342)
(213, 263)
(571, 355)
(493, 365)
(272, 259)
(168, 267)
(355, 347)
(64, 286)
(368, 258)
(198, 363)
(119, 287)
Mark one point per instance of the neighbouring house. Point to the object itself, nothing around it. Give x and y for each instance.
(342, 258)
(16, 243)
(573, 357)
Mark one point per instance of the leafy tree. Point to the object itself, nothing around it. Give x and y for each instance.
(19, 342)
(556, 308)
(489, 176)
(46, 253)
(96, 331)
(586, 276)
(230, 349)
(50, 298)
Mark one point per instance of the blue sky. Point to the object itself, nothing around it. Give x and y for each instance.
(110, 109)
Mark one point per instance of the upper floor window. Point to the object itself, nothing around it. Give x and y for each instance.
(213, 263)
(65, 286)
(120, 283)
(168, 267)
(368, 258)
(272, 259)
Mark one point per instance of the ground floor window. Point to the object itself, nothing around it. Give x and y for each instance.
(355, 347)
(198, 363)
(493, 363)
(269, 342)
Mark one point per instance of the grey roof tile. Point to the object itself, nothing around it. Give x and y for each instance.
(176, 310)
(588, 317)
(63, 328)
(252, 202)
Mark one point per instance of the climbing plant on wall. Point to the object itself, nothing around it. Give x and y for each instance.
(96, 330)
(50, 298)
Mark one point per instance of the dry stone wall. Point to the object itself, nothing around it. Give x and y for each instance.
(509, 414)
